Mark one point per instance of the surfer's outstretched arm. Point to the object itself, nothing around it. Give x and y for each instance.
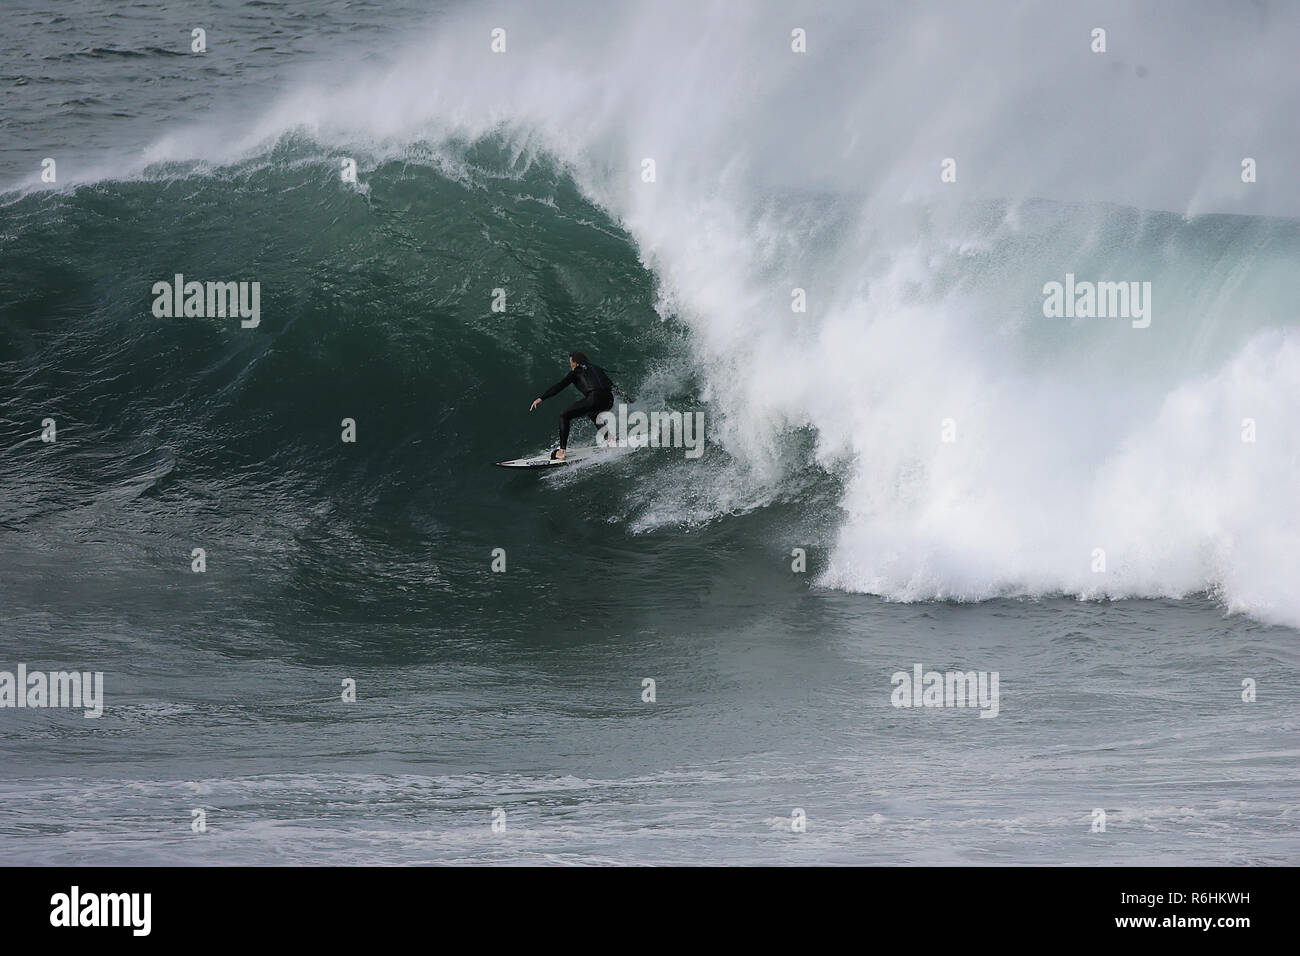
(555, 389)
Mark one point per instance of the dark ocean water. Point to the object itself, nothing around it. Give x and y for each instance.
(522, 690)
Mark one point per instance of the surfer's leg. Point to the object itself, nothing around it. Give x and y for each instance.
(564, 429)
(601, 402)
(589, 406)
(579, 408)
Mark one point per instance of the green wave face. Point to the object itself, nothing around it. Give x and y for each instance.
(376, 305)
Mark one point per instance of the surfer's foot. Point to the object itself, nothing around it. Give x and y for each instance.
(559, 454)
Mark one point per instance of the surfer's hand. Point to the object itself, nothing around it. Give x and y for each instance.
(536, 402)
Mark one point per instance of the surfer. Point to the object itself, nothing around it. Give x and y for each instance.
(597, 396)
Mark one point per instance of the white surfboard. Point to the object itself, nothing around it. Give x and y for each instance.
(546, 461)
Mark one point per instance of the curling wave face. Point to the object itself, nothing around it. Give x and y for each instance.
(957, 442)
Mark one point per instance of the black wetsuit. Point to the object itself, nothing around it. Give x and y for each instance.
(597, 396)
